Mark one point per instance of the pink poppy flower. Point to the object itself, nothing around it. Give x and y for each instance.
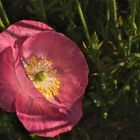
(43, 77)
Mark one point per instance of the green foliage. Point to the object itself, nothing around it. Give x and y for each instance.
(108, 33)
(38, 8)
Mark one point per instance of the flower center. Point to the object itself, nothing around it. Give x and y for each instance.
(44, 77)
(40, 76)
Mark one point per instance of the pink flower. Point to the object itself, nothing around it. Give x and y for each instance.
(43, 75)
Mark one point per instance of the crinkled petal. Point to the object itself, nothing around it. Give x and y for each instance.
(13, 79)
(9, 85)
(23, 28)
(46, 119)
(67, 59)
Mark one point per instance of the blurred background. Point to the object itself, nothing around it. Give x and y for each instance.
(108, 33)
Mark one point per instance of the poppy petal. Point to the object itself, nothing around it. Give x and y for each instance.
(13, 79)
(23, 28)
(46, 119)
(9, 86)
(67, 59)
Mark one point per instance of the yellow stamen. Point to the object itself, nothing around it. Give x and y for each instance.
(43, 76)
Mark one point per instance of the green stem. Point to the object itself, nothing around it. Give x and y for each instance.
(6, 20)
(83, 21)
(114, 20)
(133, 5)
(113, 12)
(2, 27)
(133, 17)
(107, 13)
(133, 26)
(138, 17)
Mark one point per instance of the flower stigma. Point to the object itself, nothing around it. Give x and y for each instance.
(40, 76)
(40, 71)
